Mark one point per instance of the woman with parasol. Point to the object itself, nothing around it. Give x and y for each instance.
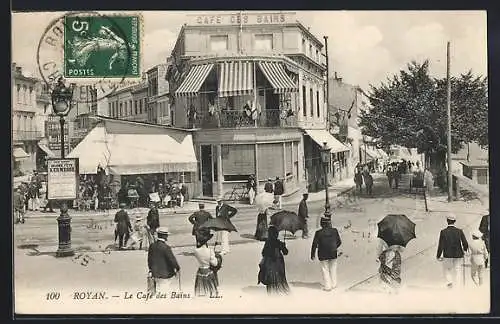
(390, 267)
(272, 267)
(206, 282)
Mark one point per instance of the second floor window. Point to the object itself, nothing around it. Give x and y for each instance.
(121, 110)
(135, 107)
(18, 93)
(311, 97)
(317, 104)
(304, 101)
(303, 45)
(131, 108)
(219, 43)
(264, 42)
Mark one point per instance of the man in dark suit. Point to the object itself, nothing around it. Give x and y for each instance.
(451, 248)
(162, 264)
(198, 218)
(484, 228)
(327, 241)
(303, 215)
(224, 211)
(269, 187)
(123, 226)
(278, 190)
(153, 219)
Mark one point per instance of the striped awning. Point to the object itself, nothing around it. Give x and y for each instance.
(193, 81)
(235, 79)
(275, 73)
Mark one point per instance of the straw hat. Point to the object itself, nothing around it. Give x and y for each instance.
(477, 234)
(162, 230)
(451, 217)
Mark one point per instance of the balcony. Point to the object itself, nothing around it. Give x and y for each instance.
(26, 135)
(239, 119)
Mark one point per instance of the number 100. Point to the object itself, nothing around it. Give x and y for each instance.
(53, 296)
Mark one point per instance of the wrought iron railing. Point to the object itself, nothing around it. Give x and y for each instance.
(26, 135)
(240, 119)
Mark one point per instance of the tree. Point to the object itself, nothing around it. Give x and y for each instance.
(409, 109)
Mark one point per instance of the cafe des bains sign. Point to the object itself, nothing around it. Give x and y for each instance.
(242, 19)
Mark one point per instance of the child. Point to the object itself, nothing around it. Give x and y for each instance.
(478, 255)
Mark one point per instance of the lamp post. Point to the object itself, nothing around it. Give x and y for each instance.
(325, 158)
(62, 98)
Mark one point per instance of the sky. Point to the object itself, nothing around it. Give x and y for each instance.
(365, 47)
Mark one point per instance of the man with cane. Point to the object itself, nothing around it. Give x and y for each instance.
(162, 264)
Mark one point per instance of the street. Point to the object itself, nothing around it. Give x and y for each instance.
(119, 272)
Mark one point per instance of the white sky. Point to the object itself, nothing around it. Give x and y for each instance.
(365, 47)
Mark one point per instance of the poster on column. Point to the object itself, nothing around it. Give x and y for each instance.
(62, 179)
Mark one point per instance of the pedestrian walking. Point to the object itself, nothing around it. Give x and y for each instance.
(368, 179)
(123, 226)
(358, 180)
(478, 257)
(225, 211)
(269, 187)
(484, 228)
(198, 218)
(272, 266)
(390, 176)
(153, 219)
(95, 197)
(252, 188)
(206, 282)
(140, 237)
(390, 267)
(19, 206)
(304, 215)
(162, 264)
(327, 241)
(278, 191)
(451, 247)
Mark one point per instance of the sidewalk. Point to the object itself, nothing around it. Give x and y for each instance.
(191, 206)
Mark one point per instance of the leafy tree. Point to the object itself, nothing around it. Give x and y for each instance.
(409, 109)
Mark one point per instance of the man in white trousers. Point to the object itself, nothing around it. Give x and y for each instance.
(327, 241)
(451, 248)
(224, 211)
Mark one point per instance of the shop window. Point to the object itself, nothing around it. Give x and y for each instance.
(238, 161)
(219, 43)
(264, 42)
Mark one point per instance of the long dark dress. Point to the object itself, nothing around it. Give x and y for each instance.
(272, 267)
(261, 230)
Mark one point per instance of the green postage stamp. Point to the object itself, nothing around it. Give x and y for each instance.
(102, 46)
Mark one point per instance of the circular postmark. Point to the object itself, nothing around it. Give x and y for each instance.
(92, 50)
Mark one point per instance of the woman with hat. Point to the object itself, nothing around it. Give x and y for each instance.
(272, 267)
(140, 235)
(390, 267)
(206, 282)
(478, 255)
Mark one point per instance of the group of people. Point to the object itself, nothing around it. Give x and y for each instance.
(31, 195)
(363, 176)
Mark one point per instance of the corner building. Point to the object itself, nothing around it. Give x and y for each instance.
(252, 86)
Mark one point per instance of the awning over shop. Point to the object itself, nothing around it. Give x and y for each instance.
(236, 78)
(321, 136)
(47, 151)
(19, 153)
(135, 153)
(276, 75)
(371, 154)
(193, 81)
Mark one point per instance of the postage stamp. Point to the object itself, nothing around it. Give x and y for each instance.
(98, 46)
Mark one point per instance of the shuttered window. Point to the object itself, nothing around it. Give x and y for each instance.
(238, 159)
(270, 157)
(289, 158)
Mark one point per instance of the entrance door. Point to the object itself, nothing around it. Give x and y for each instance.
(206, 170)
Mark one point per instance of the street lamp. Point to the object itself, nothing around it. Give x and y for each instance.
(325, 158)
(62, 102)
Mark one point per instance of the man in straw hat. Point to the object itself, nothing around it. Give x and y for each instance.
(123, 226)
(224, 211)
(327, 241)
(451, 247)
(478, 256)
(162, 264)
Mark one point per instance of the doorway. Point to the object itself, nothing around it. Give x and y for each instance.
(206, 170)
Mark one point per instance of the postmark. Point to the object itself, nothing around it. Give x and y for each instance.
(100, 46)
(51, 55)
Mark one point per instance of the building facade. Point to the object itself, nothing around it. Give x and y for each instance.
(158, 95)
(25, 126)
(130, 102)
(252, 86)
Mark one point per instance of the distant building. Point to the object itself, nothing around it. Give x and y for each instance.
(158, 95)
(130, 102)
(472, 161)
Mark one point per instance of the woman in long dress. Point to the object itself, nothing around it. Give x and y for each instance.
(263, 201)
(272, 267)
(390, 268)
(206, 283)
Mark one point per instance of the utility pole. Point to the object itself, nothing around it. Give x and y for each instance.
(327, 85)
(448, 110)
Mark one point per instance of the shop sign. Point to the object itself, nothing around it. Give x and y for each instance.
(62, 179)
(242, 19)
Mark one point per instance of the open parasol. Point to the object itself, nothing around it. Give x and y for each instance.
(396, 229)
(286, 221)
(219, 224)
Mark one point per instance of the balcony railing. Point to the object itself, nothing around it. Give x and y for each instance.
(26, 135)
(239, 119)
